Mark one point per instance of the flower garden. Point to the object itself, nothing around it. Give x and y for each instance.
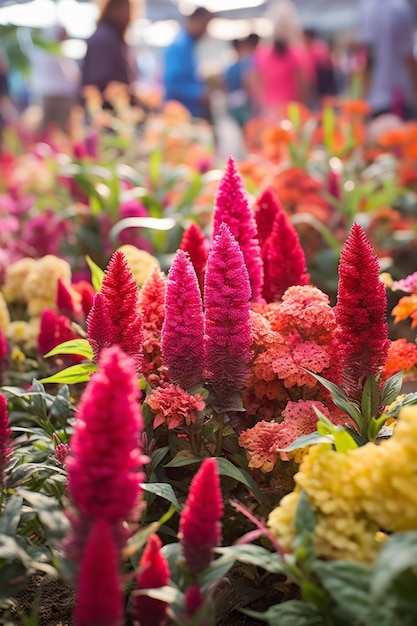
(208, 410)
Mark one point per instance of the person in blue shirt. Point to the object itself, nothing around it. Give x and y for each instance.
(181, 79)
(238, 79)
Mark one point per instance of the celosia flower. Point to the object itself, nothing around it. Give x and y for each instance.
(227, 339)
(402, 356)
(120, 293)
(54, 330)
(334, 186)
(141, 263)
(5, 441)
(408, 284)
(283, 258)
(290, 362)
(174, 406)
(266, 208)
(193, 601)
(406, 307)
(194, 242)
(99, 598)
(183, 329)
(64, 300)
(361, 335)
(86, 293)
(232, 208)
(200, 529)
(104, 467)
(152, 309)
(61, 452)
(153, 573)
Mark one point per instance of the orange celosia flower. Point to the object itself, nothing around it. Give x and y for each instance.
(357, 108)
(174, 406)
(402, 355)
(406, 307)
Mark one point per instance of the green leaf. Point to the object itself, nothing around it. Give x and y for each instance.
(340, 399)
(74, 346)
(256, 556)
(391, 389)
(307, 440)
(165, 594)
(341, 438)
(55, 520)
(156, 458)
(10, 516)
(398, 555)
(72, 375)
(292, 613)
(409, 400)
(138, 540)
(215, 571)
(163, 490)
(38, 400)
(304, 517)
(329, 122)
(226, 468)
(154, 164)
(370, 399)
(96, 273)
(182, 459)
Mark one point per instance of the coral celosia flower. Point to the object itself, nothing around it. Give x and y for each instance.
(152, 309)
(262, 443)
(283, 258)
(232, 207)
(200, 529)
(183, 329)
(99, 598)
(104, 467)
(153, 573)
(361, 335)
(402, 356)
(5, 441)
(120, 293)
(266, 208)
(174, 406)
(194, 242)
(54, 330)
(406, 307)
(227, 339)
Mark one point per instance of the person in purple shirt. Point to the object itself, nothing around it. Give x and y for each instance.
(181, 79)
(108, 58)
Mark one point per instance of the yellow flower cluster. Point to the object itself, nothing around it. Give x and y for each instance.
(356, 495)
(23, 334)
(4, 314)
(141, 263)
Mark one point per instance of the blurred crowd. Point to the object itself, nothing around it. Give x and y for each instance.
(294, 65)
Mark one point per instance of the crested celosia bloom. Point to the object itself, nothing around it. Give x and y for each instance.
(99, 597)
(227, 339)
(174, 406)
(5, 441)
(153, 573)
(356, 495)
(232, 208)
(361, 335)
(200, 529)
(104, 467)
(152, 310)
(266, 208)
(196, 245)
(121, 307)
(283, 258)
(402, 356)
(54, 330)
(183, 329)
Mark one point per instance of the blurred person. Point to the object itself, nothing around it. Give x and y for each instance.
(7, 109)
(108, 58)
(387, 31)
(237, 79)
(279, 77)
(181, 79)
(318, 67)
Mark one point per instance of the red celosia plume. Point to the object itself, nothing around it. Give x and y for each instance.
(266, 208)
(5, 441)
(194, 242)
(232, 208)
(64, 300)
(99, 598)
(183, 329)
(154, 573)
(200, 529)
(54, 330)
(227, 338)
(361, 335)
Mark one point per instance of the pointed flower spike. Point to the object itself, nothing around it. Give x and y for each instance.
(284, 259)
(55, 329)
(5, 440)
(361, 336)
(64, 300)
(152, 301)
(194, 242)
(227, 338)
(266, 208)
(154, 573)
(104, 466)
(200, 529)
(232, 207)
(183, 329)
(101, 332)
(99, 598)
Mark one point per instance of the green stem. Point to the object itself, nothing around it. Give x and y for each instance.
(220, 419)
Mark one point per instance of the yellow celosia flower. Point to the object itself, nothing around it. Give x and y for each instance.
(40, 285)
(140, 262)
(356, 495)
(16, 274)
(23, 334)
(4, 314)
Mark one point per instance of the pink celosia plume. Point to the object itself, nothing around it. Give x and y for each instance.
(361, 335)
(5, 440)
(266, 208)
(193, 601)
(101, 332)
(153, 573)
(183, 329)
(232, 208)
(152, 310)
(99, 598)
(196, 245)
(227, 338)
(200, 529)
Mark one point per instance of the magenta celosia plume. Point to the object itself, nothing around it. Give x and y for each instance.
(120, 294)
(5, 441)
(183, 329)
(283, 258)
(227, 336)
(361, 335)
(99, 598)
(104, 467)
(153, 573)
(196, 245)
(100, 328)
(266, 208)
(200, 529)
(232, 208)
